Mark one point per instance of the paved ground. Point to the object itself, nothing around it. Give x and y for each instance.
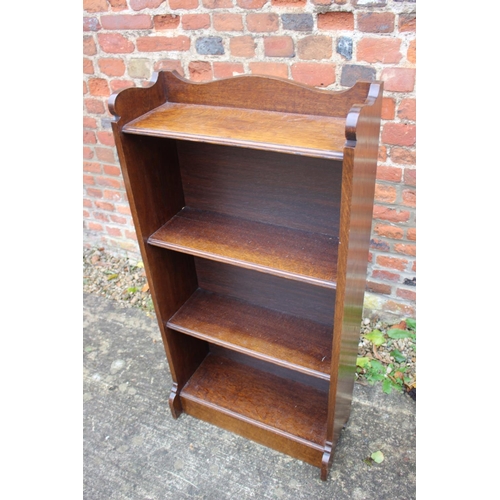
(133, 449)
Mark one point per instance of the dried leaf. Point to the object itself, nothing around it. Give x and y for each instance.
(145, 288)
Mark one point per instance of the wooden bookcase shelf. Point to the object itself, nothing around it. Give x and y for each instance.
(252, 201)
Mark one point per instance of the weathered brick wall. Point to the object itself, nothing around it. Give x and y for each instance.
(324, 43)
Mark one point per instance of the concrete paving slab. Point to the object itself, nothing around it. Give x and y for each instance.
(134, 449)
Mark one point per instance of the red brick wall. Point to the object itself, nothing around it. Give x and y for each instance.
(324, 43)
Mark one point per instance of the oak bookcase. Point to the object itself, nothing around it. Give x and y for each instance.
(252, 201)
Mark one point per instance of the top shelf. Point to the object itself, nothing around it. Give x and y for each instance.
(306, 135)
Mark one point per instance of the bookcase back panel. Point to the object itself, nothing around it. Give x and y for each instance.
(265, 290)
(275, 188)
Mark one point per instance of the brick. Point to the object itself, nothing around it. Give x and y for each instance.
(406, 294)
(315, 47)
(166, 22)
(98, 87)
(104, 205)
(87, 203)
(118, 4)
(85, 88)
(124, 209)
(372, 286)
(89, 47)
(88, 66)
(399, 309)
(195, 21)
(409, 198)
(398, 79)
(94, 106)
(93, 192)
(390, 214)
(95, 5)
(279, 70)
(227, 69)
(376, 22)
(382, 50)
(251, 4)
(89, 137)
(351, 73)
(288, 3)
(131, 235)
(145, 4)
(139, 68)
(88, 153)
(414, 267)
(297, 22)
(411, 234)
(336, 21)
(105, 154)
(217, 4)
(120, 84)
(407, 22)
(406, 249)
(94, 226)
(114, 231)
(86, 214)
(411, 54)
(169, 65)
(200, 71)
(112, 170)
(377, 244)
(210, 45)
(106, 138)
(399, 134)
(407, 109)
(385, 193)
(115, 43)
(391, 174)
(345, 46)
(117, 219)
(385, 275)
(227, 22)
(392, 262)
(112, 66)
(393, 232)
(88, 180)
(262, 22)
(403, 156)
(126, 22)
(107, 181)
(183, 4)
(111, 194)
(278, 46)
(314, 74)
(242, 46)
(91, 24)
(388, 108)
(160, 43)
(382, 153)
(410, 177)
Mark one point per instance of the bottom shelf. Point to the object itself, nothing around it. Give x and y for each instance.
(279, 413)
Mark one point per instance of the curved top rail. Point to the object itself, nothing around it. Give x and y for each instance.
(244, 91)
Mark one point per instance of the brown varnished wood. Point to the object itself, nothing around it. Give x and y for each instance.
(280, 406)
(286, 340)
(252, 199)
(249, 184)
(264, 93)
(277, 250)
(360, 164)
(316, 136)
(265, 290)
